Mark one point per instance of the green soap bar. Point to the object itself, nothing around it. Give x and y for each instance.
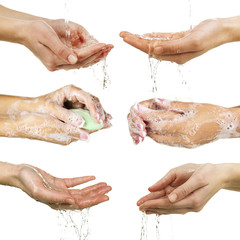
(90, 123)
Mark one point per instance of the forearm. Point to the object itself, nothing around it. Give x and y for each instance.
(11, 30)
(236, 113)
(9, 13)
(12, 104)
(9, 174)
(231, 28)
(231, 176)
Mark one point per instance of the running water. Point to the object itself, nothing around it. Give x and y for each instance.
(74, 224)
(157, 219)
(144, 226)
(66, 22)
(190, 13)
(153, 64)
(100, 73)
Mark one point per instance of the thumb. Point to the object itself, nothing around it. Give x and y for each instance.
(60, 50)
(176, 46)
(184, 190)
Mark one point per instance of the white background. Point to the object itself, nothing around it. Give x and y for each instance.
(110, 155)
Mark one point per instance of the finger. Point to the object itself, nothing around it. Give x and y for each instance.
(136, 126)
(151, 196)
(164, 127)
(72, 182)
(86, 52)
(166, 36)
(123, 34)
(172, 140)
(136, 130)
(66, 115)
(167, 211)
(92, 202)
(83, 63)
(191, 185)
(175, 106)
(53, 42)
(87, 190)
(92, 103)
(180, 58)
(154, 115)
(74, 132)
(164, 182)
(177, 46)
(137, 42)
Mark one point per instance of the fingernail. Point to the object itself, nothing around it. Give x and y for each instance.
(84, 136)
(81, 123)
(70, 201)
(72, 59)
(161, 100)
(140, 126)
(172, 198)
(141, 108)
(158, 50)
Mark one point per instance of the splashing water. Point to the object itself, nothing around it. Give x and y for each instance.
(190, 13)
(180, 74)
(66, 24)
(74, 224)
(144, 227)
(157, 219)
(153, 64)
(100, 73)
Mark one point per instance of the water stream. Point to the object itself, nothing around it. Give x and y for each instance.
(74, 225)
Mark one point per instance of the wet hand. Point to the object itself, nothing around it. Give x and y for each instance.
(48, 117)
(184, 189)
(49, 42)
(183, 46)
(58, 192)
(182, 124)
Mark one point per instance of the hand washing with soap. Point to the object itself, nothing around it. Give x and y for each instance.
(63, 116)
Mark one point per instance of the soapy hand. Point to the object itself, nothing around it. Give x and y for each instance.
(183, 46)
(48, 40)
(57, 192)
(182, 124)
(184, 189)
(48, 117)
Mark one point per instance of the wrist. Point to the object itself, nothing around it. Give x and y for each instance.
(9, 174)
(236, 115)
(231, 28)
(231, 175)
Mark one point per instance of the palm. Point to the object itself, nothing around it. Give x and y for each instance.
(57, 192)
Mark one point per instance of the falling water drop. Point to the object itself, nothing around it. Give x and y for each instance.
(157, 227)
(144, 226)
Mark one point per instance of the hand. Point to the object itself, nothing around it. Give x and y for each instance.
(184, 189)
(57, 192)
(182, 124)
(49, 42)
(47, 117)
(181, 47)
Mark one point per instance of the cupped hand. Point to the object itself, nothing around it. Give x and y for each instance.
(48, 117)
(183, 46)
(182, 124)
(184, 189)
(56, 49)
(58, 192)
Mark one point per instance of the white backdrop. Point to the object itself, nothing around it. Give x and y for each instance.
(110, 155)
